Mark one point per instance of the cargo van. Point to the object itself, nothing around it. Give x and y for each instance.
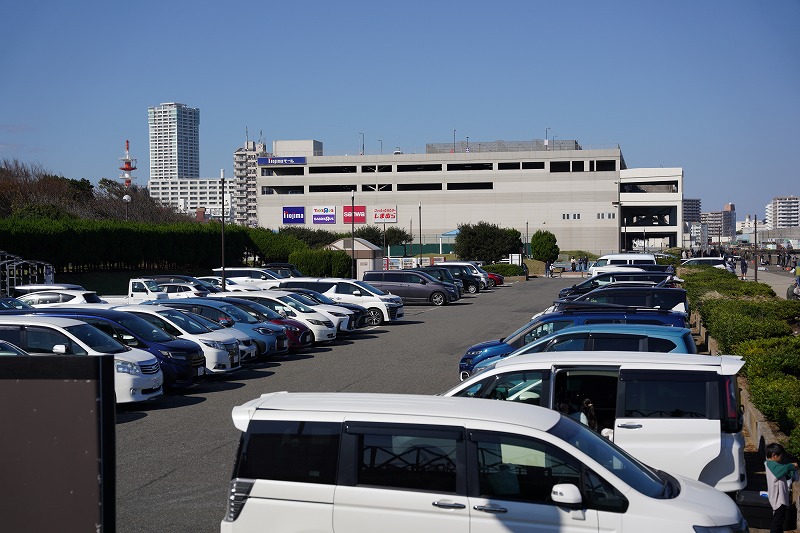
(680, 413)
(399, 463)
(612, 260)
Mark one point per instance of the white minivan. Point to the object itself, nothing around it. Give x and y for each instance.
(474, 269)
(611, 260)
(679, 413)
(137, 374)
(395, 463)
(381, 307)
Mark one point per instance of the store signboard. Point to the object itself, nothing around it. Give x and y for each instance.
(323, 214)
(384, 214)
(294, 215)
(360, 214)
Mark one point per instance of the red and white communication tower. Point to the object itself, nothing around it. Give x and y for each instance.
(128, 166)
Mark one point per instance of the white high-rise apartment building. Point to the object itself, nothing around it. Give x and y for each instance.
(245, 173)
(174, 141)
(783, 212)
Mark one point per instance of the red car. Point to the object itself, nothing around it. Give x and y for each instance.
(495, 279)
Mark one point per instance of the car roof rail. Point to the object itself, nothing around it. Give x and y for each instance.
(581, 306)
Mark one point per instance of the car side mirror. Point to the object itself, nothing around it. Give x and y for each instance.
(567, 494)
(356, 292)
(226, 322)
(60, 349)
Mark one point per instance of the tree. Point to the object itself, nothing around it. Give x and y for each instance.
(372, 234)
(314, 238)
(486, 242)
(543, 246)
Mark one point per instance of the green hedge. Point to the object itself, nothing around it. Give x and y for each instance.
(747, 319)
(504, 269)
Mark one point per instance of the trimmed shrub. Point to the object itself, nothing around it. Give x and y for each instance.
(504, 269)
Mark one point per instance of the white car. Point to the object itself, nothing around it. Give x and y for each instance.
(716, 262)
(63, 297)
(321, 325)
(220, 348)
(342, 317)
(183, 290)
(248, 349)
(137, 374)
(230, 284)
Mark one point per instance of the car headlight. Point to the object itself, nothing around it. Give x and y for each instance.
(316, 322)
(741, 527)
(213, 344)
(473, 353)
(334, 313)
(265, 331)
(173, 355)
(126, 367)
(289, 327)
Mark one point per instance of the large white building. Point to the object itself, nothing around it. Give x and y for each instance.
(174, 141)
(783, 212)
(588, 199)
(245, 173)
(189, 195)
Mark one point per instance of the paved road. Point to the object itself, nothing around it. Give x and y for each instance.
(175, 454)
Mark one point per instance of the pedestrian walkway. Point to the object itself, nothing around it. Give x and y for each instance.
(775, 277)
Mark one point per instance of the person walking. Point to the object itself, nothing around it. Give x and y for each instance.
(743, 268)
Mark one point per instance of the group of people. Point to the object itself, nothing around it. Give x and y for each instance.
(579, 265)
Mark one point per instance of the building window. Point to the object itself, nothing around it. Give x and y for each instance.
(508, 166)
(470, 186)
(533, 165)
(559, 166)
(606, 166)
(419, 186)
(469, 166)
(267, 190)
(419, 168)
(577, 166)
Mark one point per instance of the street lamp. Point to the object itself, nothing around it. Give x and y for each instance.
(352, 234)
(545, 136)
(362, 142)
(420, 235)
(454, 141)
(127, 200)
(381, 141)
(467, 143)
(222, 218)
(755, 247)
(527, 241)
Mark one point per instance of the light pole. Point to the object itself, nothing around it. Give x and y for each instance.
(755, 247)
(352, 234)
(222, 218)
(381, 141)
(546, 130)
(420, 235)
(527, 241)
(467, 143)
(362, 142)
(127, 200)
(454, 141)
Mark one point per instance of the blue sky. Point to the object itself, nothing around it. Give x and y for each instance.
(711, 86)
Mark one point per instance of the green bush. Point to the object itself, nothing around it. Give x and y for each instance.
(504, 269)
(768, 356)
(775, 395)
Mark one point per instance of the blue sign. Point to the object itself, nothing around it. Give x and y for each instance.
(263, 161)
(294, 215)
(330, 218)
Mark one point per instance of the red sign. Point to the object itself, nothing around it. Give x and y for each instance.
(360, 211)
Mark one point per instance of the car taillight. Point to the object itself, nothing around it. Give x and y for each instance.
(237, 496)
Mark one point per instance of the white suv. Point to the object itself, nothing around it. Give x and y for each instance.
(137, 375)
(394, 463)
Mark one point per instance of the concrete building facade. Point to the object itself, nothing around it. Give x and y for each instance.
(783, 212)
(245, 173)
(587, 198)
(174, 141)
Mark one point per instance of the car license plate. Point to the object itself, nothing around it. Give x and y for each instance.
(201, 371)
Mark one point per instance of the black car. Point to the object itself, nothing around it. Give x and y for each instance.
(652, 297)
(472, 283)
(601, 280)
(442, 274)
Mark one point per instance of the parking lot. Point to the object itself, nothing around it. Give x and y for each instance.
(175, 454)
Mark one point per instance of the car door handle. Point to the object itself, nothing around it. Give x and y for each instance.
(629, 426)
(449, 505)
(490, 509)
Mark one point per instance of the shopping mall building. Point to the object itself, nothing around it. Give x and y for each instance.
(587, 198)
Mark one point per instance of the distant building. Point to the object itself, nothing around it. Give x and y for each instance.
(191, 195)
(721, 224)
(783, 212)
(245, 172)
(174, 141)
(691, 210)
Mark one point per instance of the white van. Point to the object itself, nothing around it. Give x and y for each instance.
(381, 307)
(679, 413)
(137, 375)
(395, 463)
(263, 278)
(621, 260)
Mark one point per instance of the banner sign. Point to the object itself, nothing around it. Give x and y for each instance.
(360, 214)
(384, 214)
(294, 215)
(263, 161)
(325, 214)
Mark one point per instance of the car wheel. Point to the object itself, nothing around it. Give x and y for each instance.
(374, 316)
(472, 288)
(437, 298)
(483, 286)
(491, 282)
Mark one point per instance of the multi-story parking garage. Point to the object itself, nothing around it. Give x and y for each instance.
(587, 198)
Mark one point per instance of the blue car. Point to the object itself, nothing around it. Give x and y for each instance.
(270, 338)
(605, 337)
(552, 322)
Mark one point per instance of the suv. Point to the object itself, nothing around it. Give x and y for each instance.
(473, 269)
(263, 278)
(549, 323)
(381, 307)
(442, 274)
(328, 462)
(680, 413)
(597, 337)
(472, 282)
(412, 287)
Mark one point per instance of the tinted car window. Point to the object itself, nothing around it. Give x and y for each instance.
(619, 343)
(661, 345)
(374, 276)
(665, 395)
(304, 452)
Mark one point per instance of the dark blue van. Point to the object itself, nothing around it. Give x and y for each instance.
(551, 322)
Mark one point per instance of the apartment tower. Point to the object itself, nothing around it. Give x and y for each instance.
(174, 141)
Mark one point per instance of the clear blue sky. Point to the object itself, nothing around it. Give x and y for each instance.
(710, 86)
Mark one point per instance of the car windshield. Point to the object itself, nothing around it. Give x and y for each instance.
(145, 329)
(152, 285)
(518, 332)
(612, 457)
(321, 298)
(369, 288)
(96, 339)
(237, 314)
(13, 303)
(210, 324)
(302, 298)
(184, 322)
(6, 348)
(259, 311)
(295, 304)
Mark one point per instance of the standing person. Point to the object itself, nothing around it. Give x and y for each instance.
(743, 268)
(572, 262)
(779, 474)
(547, 268)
